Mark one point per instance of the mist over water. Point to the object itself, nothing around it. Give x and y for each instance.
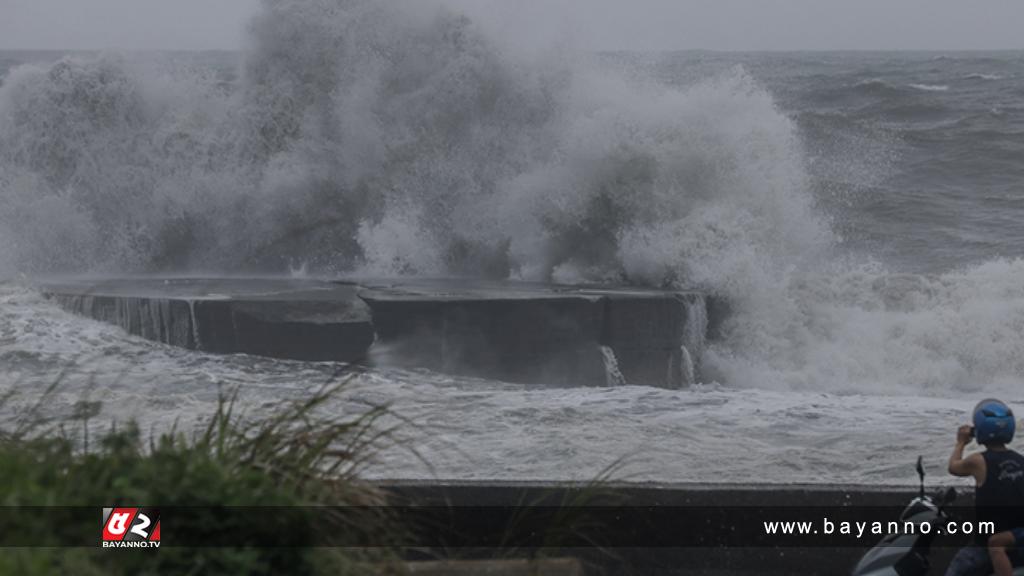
(388, 138)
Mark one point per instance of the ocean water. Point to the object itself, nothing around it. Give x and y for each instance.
(862, 212)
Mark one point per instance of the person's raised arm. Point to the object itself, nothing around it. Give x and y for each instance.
(958, 465)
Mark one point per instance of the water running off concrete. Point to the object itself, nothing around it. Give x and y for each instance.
(518, 332)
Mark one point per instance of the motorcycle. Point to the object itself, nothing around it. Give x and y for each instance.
(908, 554)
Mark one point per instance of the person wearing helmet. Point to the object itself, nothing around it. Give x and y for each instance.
(999, 491)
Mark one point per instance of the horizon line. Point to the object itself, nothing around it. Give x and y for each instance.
(644, 50)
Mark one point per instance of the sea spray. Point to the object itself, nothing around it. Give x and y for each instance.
(368, 136)
(375, 137)
(688, 368)
(695, 333)
(197, 342)
(613, 375)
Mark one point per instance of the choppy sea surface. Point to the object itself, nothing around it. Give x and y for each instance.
(863, 212)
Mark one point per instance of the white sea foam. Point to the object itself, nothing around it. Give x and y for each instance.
(930, 87)
(872, 82)
(478, 429)
(376, 137)
(980, 76)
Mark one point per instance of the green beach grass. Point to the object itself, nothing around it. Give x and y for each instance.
(295, 457)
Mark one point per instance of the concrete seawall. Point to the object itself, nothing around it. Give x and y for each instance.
(698, 559)
(498, 493)
(518, 332)
(295, 320)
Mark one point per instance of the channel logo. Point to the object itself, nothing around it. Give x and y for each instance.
(131, 528)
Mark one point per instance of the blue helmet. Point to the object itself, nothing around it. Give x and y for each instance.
(993, 422)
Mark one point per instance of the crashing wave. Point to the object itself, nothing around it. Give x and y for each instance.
(368, 136)
(378, 137)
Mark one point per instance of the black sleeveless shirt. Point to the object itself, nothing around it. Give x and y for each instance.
(1001, 498)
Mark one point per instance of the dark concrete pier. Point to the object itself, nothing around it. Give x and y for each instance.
(518, 332)
(288, 319)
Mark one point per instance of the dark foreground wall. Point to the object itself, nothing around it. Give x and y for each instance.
(677, 508)
(511, 331)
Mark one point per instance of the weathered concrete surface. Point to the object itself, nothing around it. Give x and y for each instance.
(692, 561)
(519, 332)
(538, 333)
(519, 336)
(657, 337)
(279, 318)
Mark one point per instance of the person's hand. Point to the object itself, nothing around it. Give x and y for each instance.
(964, 434)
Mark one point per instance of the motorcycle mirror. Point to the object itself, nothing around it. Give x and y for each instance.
(920, 474)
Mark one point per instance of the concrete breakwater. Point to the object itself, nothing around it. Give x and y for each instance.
(519, 332)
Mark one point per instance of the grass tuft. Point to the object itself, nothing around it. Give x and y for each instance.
(299, 456)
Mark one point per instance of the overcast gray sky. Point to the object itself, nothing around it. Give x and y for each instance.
(593, 24)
